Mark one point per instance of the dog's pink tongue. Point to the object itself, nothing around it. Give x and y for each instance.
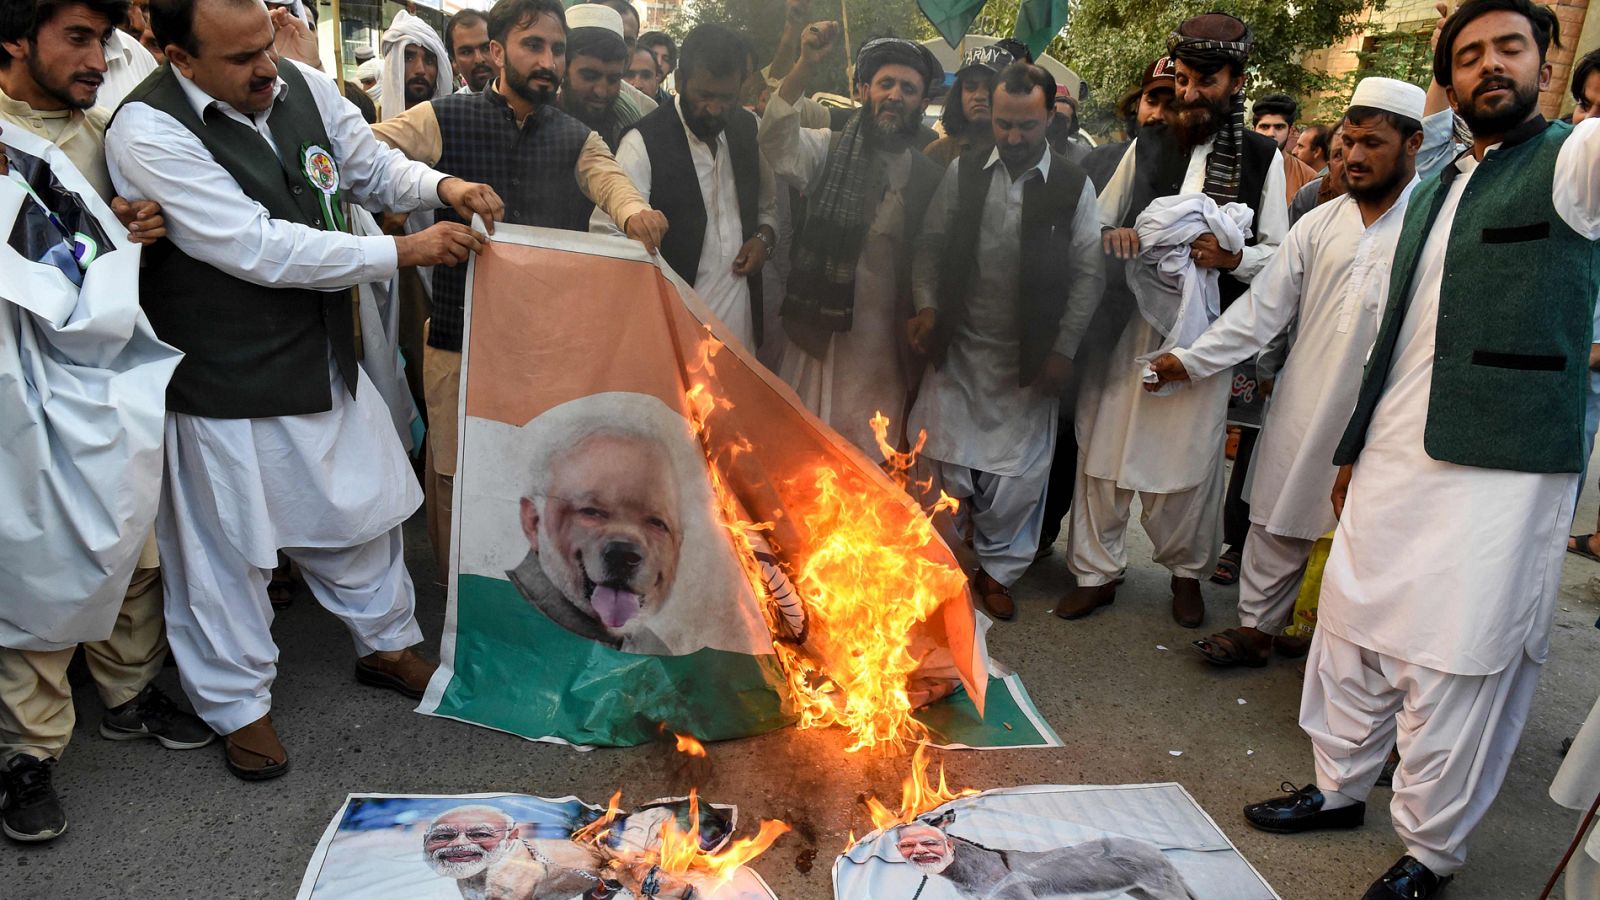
(614, 607)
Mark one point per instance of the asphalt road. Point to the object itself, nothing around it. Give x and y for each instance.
(151, 823)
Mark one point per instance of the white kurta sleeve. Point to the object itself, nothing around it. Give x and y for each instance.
(767, 197)
(1087, 277)
(1577, 182)
(1118, 192)
(634, 160)
(152, 156)
(796, 154)
(927, 257)
(1439, 146)
(1271, 225)
(1263, 313)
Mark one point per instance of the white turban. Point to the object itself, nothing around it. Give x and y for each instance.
(404, 31)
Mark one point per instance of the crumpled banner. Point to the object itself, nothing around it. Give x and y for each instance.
(596, 596)
(83, 383)
(1131, 840)
(388, 846)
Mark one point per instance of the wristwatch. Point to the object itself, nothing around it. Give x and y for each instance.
(764, 232)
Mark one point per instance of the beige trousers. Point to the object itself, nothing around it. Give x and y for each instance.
(441, 383)
(36, 714)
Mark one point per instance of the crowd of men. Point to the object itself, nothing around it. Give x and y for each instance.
(1061, 320)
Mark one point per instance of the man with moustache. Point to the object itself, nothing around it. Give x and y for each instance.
(591, 92)
(466, 39)
(966, 107)
(1459, 467)
(552, 171)
(924, 846)
(464, 842)
(1007, 275)
(1273, 115)
(275, 438)
(416, 65)
(642, 73)
(696, 160)
(1168, 449)
(867, 191)
(1150, 105)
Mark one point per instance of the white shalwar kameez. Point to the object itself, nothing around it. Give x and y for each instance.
(862, 373)
(1167, 449)
(1329, 280)
(1435, 612)
(727, 294)
(990, 440)
(330, 489)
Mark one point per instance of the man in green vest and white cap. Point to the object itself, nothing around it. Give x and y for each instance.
(1459, 466)
(275, 439)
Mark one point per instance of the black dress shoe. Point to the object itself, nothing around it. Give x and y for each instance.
(1407, 879)
(1301, 811)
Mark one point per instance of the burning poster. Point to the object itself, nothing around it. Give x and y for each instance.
(1148, 841)
(650, 532)
(433, 847)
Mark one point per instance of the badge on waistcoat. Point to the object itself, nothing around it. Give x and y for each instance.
(322, 174)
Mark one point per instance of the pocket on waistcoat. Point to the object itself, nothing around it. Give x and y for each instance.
(1516, 234)
(1530, 362)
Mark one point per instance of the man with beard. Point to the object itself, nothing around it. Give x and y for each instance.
(416, 66)
(1064, 136)
(1327, 281)
(1458, 470)
(1168, 449)
(465, 842)
(466, 39)
(849, 287)
(552, 171)
(50, 69)
(696, 160)
(966, 107)
(1007, 275)
(591, 92)
(1150, 105)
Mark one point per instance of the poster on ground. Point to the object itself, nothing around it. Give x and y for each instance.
(463, 847)
(632, 494)
(1144, 841)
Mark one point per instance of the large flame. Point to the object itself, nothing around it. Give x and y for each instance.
(855, 557)
(918, 794)
(677, 862)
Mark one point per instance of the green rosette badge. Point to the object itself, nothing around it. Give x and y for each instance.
(317, 164)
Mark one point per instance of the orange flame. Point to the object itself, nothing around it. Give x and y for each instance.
(688, 745)
(862, 578)
(918, 794)
(678, 853)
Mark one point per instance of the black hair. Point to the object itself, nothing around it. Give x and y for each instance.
(172, 21)
(713, 49)
(954, 118)
(1020, 78)
(650, 40)
(1360, 115)
(508, 14)
(1587, 65)
(1317, 135)
(22, 19)
(601, 43)
(1275, 105)
(1542, 22)
(462, 17)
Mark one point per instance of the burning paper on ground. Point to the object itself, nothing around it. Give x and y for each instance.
(520, 847)
(652, 532)
(1148, 841)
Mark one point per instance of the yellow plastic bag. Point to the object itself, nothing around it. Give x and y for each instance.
(1305, 605)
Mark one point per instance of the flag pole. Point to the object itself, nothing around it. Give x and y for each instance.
(338, 45)
(849, 48)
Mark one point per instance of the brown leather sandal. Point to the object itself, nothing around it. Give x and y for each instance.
(253, 753)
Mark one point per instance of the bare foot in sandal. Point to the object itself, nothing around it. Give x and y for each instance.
(1585, 545)
(1237, 647)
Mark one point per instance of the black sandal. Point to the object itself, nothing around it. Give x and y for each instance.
(1226, 649)
(1227, 571)
(1581, 548)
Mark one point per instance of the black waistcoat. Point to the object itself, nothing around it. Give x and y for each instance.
(1159, 167)
(1048, 207)
(675, 190)
(250, 351)
(531, 167)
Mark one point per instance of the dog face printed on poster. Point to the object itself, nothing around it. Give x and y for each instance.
(1108, 867)
(606, 531)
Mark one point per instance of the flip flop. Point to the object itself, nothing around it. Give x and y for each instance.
(1227, 571)
(1225, 649)
(1582, 548)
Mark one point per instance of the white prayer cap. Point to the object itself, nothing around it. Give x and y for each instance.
(593, 15)
(1391, 95)
(372, 68)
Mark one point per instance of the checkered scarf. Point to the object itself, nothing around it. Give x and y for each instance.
(822, 283)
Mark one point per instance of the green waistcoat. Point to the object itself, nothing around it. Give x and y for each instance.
(1516, 314)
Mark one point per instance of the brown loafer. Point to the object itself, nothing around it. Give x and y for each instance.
(406, 674)
(253, 753)
(995, 597)
(1188, 606)
(1081, 601)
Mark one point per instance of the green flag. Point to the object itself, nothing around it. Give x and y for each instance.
(1038, 22)
(952, 17)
